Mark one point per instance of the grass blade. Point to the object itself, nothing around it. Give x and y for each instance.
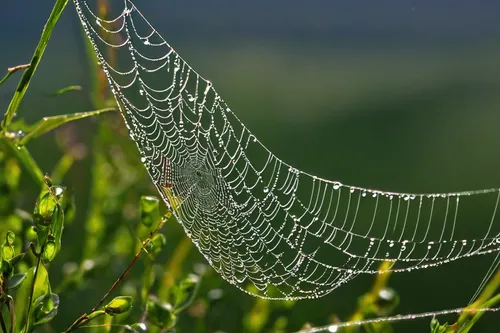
(37, 56)
(49, 123)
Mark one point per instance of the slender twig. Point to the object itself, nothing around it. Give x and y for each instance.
(12, 312)
(32, 290)
(12, 70)
(85, 317)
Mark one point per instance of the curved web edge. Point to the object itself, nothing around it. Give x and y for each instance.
(254, 217)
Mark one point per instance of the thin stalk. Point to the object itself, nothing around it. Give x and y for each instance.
(85, 317)
(11, 71)
(35, 60)
(32, 291)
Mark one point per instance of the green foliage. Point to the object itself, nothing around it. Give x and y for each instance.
(49, 265)
(160, 314)
(150, 210)
(118, 305)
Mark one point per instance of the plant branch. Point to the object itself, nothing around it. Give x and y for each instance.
(35, 60)
(32, 290)
(12, 70)
(85, 317)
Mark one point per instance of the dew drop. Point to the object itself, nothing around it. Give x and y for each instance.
(266, 189)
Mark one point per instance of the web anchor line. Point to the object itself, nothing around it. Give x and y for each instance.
(268, 228)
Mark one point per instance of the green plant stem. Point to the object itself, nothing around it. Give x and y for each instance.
(35, 60)
(12, 312)
(32, 291)
(11, 71)
(24, 156)
(84, 318)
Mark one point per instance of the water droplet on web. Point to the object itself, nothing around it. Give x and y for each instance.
(363, 194)
(147, 42)
(143, 159)
(141, 92)
(336, 186)
(228, 110)
(333, 329)
(266, 189)
(98, 22)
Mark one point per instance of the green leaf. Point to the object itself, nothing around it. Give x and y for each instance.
(7, 268)
(35, 60)
(41, 283)
(139, 327)
(44, 210)
(157, 244)
(10, 237)
(118, 305)
(17, 259)
(66, 89)
(96, 314)
(45, 308)
(186, 291)
(438, 328)
(7, 252)
(47, 124)
(160, 314)
(150, 210)
(29, 164)
(49, 251)
(16, 280)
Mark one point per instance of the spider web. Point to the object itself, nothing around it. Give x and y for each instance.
(268, 228)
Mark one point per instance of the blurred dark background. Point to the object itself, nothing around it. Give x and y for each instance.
(389, 94)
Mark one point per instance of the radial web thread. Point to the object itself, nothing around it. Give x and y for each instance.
(268, 228)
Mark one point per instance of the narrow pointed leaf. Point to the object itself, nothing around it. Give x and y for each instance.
(47, 124)
(35, 60)
(16, 281)
(67, 89)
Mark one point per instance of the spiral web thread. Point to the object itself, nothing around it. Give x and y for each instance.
(268, 228)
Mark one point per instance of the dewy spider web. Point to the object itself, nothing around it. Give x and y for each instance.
(257, 220)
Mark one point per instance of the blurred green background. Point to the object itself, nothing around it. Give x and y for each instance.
(394, 95)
